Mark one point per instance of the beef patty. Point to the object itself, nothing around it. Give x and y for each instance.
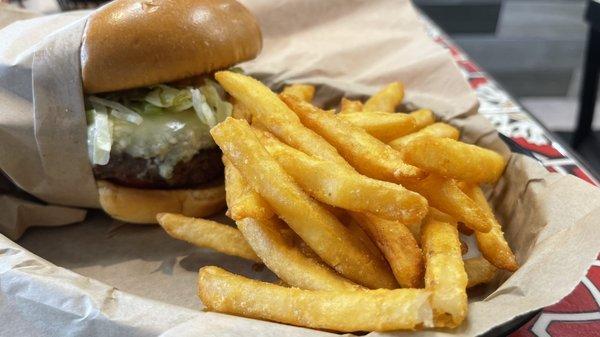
(123, 169)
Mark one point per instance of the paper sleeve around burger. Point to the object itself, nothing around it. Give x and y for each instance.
(150, 97)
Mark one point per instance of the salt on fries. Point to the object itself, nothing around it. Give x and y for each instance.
(391, 193)
(445, 195)
(357, 310)
(348, 105)
(287, 262)
(314, 224)
(445, 274)
(398, 245)
(461, 161)
(387, 99)
(479, 271)
(336, 186)
(208, 234)
(266, 108)
(441, 130)
(366, 153)
(423, 117)
(492, 244)
(242, 200)
(304, 92)
(382, 125)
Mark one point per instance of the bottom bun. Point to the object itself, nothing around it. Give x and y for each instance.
(141, 206)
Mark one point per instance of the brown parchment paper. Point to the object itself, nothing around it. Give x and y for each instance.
(350, 47)
(42, 127)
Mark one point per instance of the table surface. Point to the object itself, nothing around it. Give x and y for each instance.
(578, 314)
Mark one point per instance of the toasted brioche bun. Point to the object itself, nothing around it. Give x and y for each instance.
(141, 206)
(136, 43)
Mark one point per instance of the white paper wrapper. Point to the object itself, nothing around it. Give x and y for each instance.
(351, 47)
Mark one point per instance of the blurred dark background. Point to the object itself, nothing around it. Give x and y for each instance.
(534, 48)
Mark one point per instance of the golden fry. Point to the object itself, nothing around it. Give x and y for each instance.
(492, 245)
(358, 232)
(241, 112)
(479, 271)
(441, 216)
(382, 125)
(386, 99)
(267, 109)
(445, 274)
(423, 117)
(358, 310)
(286, 261)
(366, 153)
(242, 200)
(316, 226)
(399, 247)
(336, 186)
(454, 159)
(445, 195)
(208, 234)
(415, 230)
(305, 92)
(441, 130)
(348, 105)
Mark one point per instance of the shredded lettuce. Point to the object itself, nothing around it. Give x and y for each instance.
(238, 70)
(203, 110)
(100, 135)
(118, 110)
(173, 99)
(222, 109)
(205, 101)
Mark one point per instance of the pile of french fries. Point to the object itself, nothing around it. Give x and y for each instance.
(357, 212)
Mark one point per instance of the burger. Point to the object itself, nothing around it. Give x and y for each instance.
(151, 99)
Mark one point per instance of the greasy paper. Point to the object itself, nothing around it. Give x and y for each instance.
(345, 48)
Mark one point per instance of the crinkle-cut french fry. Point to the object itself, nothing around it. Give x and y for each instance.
(207, 234)
(242, 200)
(441, 130)
(305, 92)
(268, 110)
(284, 259)
(479, 271)
(336, 186)
(398, 245)
(348, 105)
(387, 99)
(492, 245)
(347, 311)
(364, 152)
(384, 126)
(445, 274)
(316, 226)
(423, 117)
(445, 195)
(454, 159)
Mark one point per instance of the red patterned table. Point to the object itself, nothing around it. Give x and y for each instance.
(578, 314)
